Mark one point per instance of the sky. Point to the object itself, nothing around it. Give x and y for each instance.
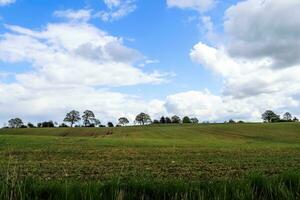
(210, 59)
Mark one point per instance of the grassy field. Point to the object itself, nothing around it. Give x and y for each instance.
(168, 156)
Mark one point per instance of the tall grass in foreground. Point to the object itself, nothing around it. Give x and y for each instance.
(286, 186)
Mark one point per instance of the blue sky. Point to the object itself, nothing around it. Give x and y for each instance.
(191, 57)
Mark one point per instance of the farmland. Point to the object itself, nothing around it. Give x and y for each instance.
(183, 154)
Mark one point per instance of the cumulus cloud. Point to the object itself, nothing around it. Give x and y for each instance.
(70, 71)
(198, 5)
(90, 57)
(53, 103)
(244, 78)
(116, 9)
(6, 2)
(258, 29)
(207, 106)
(258, 62)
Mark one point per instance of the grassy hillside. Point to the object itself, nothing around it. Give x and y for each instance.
(162, 153)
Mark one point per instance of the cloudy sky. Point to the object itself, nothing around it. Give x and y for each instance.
(210, 59)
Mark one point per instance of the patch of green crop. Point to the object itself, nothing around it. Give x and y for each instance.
(160, 153)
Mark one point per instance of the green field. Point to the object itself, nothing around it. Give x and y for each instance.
(160, 154)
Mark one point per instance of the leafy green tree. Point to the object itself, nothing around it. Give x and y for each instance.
(186, 120)
(194, 120)
(287, 116)
(162, 120)
(176, 119)
(72, 117)
(231, 121)
(156, 121)
(15, 123)
(87, 117)
(168, 120)
(123, 121)
(30, 125)
(143, 119)
(110, 124)
(96, 122)
(270, 116)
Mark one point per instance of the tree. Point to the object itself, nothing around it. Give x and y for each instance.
(87, 117)
(194, 120)
(287, 116)
(49, 124)
(155, 121)
(63, 125)
(72, 117)
(143, 118)
(96, 122)
(15, 123)
(186, 120)
(270, 116)
(162, 120)
(176, 119)
(30, 125)
(231, 121)
(110, 124)
(168, 120)
(295, 119)
(123, 121)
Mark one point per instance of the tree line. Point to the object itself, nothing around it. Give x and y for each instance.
(89, 119)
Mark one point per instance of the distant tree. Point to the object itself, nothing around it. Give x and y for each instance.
(143, 119)
(155, 121)
(49, 124)
(295, 119)
(168, 120)
(194, 120)
(87, 117)
(72, 117)
(123, 121)
(15, 123)
(110, 124)
(240, 122)
(176, 119)
(96, 122)
(287, 116)
(270, 116)
(231, 121)
(186, 120)
(23, 126)
(30, 125)
(162, 120)
(63, 125)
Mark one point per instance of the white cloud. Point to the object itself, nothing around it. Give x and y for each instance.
(209, 107)
(6, 2)
(258, 29)
(52, 103)
(117, 9)
(74, 15)
(89, 57)
(259, 62)
(198, 5)
(69, 71)
(243, 78)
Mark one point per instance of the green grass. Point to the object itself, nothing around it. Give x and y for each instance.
(197, 154)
